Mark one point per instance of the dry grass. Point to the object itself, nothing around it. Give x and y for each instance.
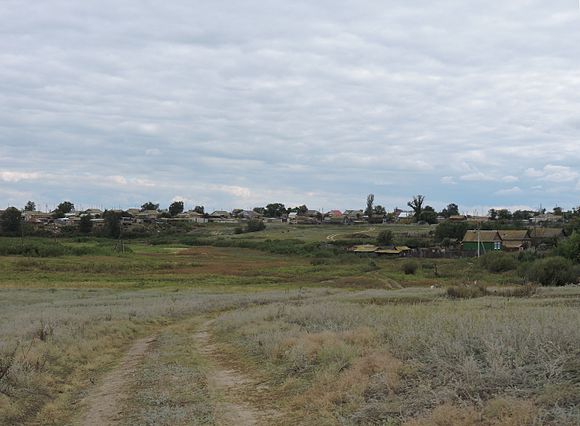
(53, 344)
(462, 357)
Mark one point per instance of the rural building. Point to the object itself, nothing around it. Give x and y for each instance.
(515, 240)
(546, 236)
(487, 241)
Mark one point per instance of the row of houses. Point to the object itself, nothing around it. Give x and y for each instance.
(510, 240)
(474, 242)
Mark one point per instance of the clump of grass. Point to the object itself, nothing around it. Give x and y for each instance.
(466, 292)
(527, 290)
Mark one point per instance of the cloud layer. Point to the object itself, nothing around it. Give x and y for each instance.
(233, 104)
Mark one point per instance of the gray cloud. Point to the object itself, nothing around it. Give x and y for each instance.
(241, 103)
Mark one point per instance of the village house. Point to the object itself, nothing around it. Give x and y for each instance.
(334, 217)
(515, 240)
(486, 241)
(547, 237)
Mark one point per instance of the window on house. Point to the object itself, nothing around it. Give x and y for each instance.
(497, 245)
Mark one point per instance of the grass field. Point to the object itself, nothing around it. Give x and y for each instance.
(178, 333)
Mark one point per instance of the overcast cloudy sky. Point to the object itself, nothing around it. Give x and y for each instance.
(238, 103)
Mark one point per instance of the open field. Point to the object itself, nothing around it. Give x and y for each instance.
(186, 334)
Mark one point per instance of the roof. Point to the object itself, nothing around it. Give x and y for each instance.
(547, 232)
(514, 235)
(388, 251)
(513, 244)
(365, 248)
(484, 236)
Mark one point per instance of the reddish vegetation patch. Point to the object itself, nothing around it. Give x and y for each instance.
(225, 261)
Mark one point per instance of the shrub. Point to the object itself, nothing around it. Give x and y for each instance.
(410, 267)
(385, 237)
(552, 271)
(498, 262)
(255, 225)
(570, 248)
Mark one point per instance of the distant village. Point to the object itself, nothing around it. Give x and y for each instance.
(499, 230)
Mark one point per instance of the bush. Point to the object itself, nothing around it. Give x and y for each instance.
(552, 271)
(410, 267)
(570, 248)
(385, 237)
(498, 261)
(255, 225)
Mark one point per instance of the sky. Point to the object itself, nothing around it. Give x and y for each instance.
(236, 104)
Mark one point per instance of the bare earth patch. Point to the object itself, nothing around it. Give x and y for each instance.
(106, 402)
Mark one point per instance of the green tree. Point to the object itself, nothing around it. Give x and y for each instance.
(86, 224)
(11, 221)
(30, 206)
(379, 211)
(504, 214)
(417, 205)
(149, 206)
(492, 214)
(63, 208)
(175, 208)
(369, 209)
(275, 210)
(429, 215)
(300, 209)
(452, 209)
(112, 223)
(260, 210)
(451, 230)
(199, 209)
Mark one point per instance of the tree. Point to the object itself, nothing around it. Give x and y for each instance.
(379, 211)
(62, 209)
(492, 214)
(452, 209)
(504, 214)
(428, 215)
(522, 215)
(30, 206)
(112, 223)
(149, 206)
(300, 209)
(369, 209)
(385, 237)
(11, 221)
(199, 209)
(275, 210)
(260, 210)
(557, 211)
(175, 208)
(86, 224)
(451, 230)
(417, 205)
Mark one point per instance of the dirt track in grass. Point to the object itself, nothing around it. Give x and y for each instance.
(235, 392)
(105, 403)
